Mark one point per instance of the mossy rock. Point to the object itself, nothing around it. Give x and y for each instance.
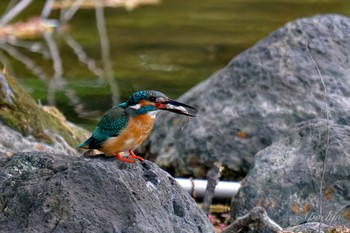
(19, 111)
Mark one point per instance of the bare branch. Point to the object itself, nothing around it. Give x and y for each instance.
(10, 5)
(29, 63)
(18, 8)
(256, 215)
(35, 47)
(82, 56)
(213, 177)
(57, 81)
(66, 15)
(101, 26)
(47, 9)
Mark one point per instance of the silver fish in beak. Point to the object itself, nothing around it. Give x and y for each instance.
(177, 107)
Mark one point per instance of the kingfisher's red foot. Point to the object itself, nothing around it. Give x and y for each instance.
(121, 158)
(133, 156)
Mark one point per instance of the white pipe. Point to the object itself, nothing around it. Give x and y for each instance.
(223, 189)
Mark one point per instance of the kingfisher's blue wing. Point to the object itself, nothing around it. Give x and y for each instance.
(111, 125)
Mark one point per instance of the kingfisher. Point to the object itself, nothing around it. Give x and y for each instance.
(125, 126)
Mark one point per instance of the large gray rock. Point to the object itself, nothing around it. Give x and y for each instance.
(260, 94)
(42, 192)
(285, 178)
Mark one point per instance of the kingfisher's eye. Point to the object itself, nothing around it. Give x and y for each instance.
(153, 99)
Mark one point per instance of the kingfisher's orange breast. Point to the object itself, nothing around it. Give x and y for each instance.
(136, 131)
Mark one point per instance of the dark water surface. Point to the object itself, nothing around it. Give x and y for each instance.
(168, 47)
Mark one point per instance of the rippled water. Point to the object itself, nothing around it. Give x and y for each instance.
(169, 47)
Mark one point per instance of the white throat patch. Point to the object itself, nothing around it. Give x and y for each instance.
(136, 106)
(153, 114)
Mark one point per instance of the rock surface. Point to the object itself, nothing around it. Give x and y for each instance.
(42, 192)
(12, 141)
(285, 178)
(26, 126)
(260, 94)
(310, 227)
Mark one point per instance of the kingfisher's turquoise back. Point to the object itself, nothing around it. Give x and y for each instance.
(111, 124)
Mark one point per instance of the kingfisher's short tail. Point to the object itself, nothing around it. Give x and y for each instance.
(84, 145)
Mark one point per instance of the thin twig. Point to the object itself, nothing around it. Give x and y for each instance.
(57, 82)
(101, 27)
(256, 215)
(193, 188)
(18, 8)
(10, 5)
(5, 61)
(67, 14)
(213, 177)
(82, 56)
(35, 47)
(327, 134)
(46, 9)
(29, 63)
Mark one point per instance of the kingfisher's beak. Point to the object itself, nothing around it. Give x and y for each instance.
(177, 107)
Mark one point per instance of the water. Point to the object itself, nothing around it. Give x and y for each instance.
(168, 47)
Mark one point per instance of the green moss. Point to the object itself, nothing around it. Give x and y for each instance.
(27, 117)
